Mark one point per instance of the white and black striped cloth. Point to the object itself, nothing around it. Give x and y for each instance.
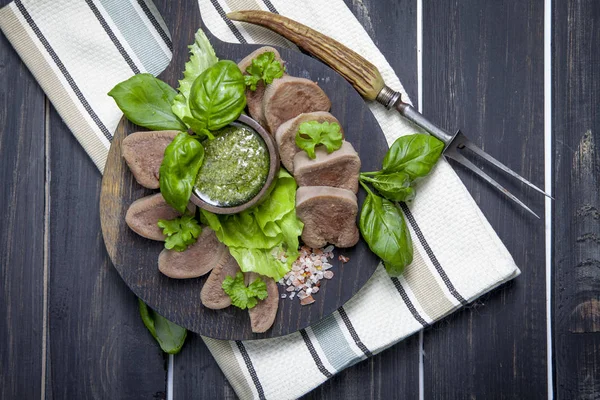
(79, 49)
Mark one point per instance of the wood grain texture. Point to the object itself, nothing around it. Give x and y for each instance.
(576, 266)
(179, 300)
(483, 73)
(486, 78)
(392, 374)
(22, 172)
(392, 25)
(98, 346)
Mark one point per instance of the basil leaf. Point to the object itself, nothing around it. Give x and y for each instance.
(218, 97)
(177, 174)
(414, 154)
(146, 101)
(198, 127)
(383, 228)
(394, 186)
(169, 336)
(202, 56)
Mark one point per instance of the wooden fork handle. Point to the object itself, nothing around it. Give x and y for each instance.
(363, 75)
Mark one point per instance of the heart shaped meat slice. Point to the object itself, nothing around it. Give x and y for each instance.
(263, 314)
(339, 169)
(254, 97)
(143, 152)
(143, 214)
(286, 135)
(213, 296)
(288, 97)
(329, 216)
(199, 258)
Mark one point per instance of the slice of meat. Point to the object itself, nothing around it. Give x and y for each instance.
(254, 97)
(329, 216)
(143, 152)
(143, 215)
(263, 314)
(289, 97)
(286, 135)
(338, 169)
(199, 259)
(213, 296)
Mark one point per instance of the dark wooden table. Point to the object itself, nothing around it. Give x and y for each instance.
(70, 329)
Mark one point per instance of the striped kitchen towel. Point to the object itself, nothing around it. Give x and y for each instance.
(79, 49)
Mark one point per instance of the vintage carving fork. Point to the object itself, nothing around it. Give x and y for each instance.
(367, 80)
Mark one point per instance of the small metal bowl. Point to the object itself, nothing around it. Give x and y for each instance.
(273, 169)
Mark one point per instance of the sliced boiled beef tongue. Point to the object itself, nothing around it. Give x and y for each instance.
(263, 314)
(286, 135)
(212, 295)
(197, 260)
(143, 152)
(289, 97)
(338, 169)
(143, 214)
(254, 97)
(329, 216)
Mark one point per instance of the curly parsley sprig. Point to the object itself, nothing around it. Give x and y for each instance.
(312, 134)
(243, 296)
(180, 232)
(263, 68)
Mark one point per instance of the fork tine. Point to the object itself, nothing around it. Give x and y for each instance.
(456, 156)
(475, 149)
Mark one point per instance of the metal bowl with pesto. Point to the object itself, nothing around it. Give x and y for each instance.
(239, 168)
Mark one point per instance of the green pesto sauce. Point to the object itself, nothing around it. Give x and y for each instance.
(235, 167)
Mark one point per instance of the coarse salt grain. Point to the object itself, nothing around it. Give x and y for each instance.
(306, 273)
(307, 300)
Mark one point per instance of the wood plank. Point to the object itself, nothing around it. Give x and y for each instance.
(393, 373)
(392, 25)
(98, 346)
(576, 124)
(22, 174)
(483, 73)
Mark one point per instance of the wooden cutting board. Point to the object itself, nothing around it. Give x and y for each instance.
(135, 258)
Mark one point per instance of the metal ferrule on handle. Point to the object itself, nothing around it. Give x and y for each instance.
(392, 99)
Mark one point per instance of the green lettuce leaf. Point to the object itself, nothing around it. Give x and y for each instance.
(202, 56)
(255, 237)
(261, 261)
